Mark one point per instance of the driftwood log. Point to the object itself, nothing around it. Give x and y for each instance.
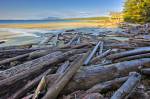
(92, 54)
(29, 86)
(60, 83)
(124, 91)
(88, 77)
(42, 61)
(137, 51)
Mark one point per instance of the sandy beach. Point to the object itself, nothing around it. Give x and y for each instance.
(62, 25)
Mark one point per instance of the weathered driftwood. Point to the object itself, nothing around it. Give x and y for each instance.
(92, 54)
(41, 86)
(60, 83)
(63, 67)
(103, 87)
(86, 78)
(81, 45)
(56, 40)
(52, 58)
(78, 40)
(17, 47)
(99, 57)
(29, 86)
(19, 57)
(107, 86)
(137, 51)
(124, 91)
(93, 96)
(72, 41)
(101, 48)
(120, 46)
(46, 40)
(145, 71)
(16, 52)
(42, 61)
(147, 55)
(11, 84)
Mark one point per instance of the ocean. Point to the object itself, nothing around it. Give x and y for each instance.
(35, 21)
(17, 36)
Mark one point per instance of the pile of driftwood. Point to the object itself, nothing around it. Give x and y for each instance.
(76, 66)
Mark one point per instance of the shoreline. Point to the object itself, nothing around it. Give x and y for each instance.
(62, 25)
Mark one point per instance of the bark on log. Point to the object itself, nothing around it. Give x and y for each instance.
(137, 51)
(29, 86)
(124, 91)
(91, 54)
(42, 61)
(60, 83)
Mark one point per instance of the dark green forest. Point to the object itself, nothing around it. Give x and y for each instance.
(137, 11)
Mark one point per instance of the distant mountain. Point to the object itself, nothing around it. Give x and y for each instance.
(52, 18)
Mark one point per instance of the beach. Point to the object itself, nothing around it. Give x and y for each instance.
(32, 32)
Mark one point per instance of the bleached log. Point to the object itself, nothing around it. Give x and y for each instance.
(63, 67)
(92, 54)
(20, 57)
(98, 58)
(29, 86)
(72, 40)
(42, 61)
(88, 77)
(137, 51)
(107, 86)
(101, 48)
(147, 55)
(60, 83)
(46, 40)
(124, 91)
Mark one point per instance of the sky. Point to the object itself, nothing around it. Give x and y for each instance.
(37, 9)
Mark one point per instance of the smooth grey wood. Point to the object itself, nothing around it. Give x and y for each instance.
(124, 91)
(91, 55)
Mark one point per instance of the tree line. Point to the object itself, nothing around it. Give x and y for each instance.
(137, 11)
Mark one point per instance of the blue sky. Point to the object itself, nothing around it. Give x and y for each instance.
(35, 9)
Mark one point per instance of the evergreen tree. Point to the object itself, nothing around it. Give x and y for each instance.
(137, 11)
